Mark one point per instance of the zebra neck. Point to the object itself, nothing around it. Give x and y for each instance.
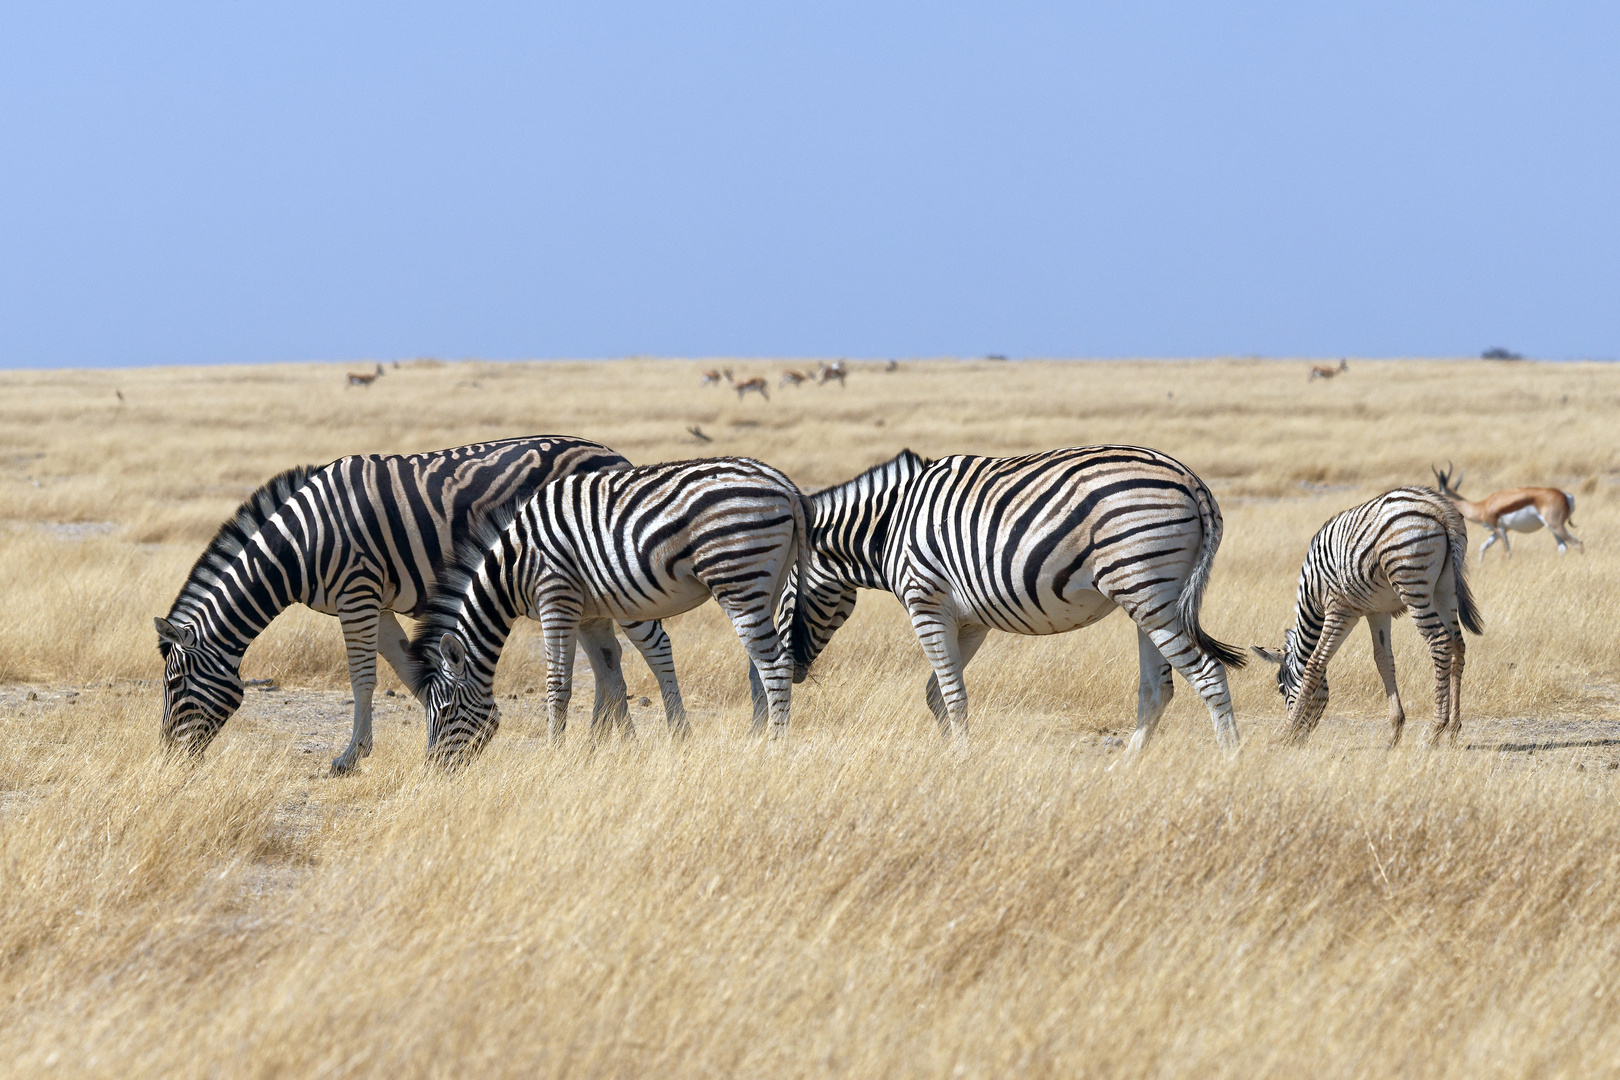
(491, 604)
(1307, 627)
(230, 602)
(853, 536)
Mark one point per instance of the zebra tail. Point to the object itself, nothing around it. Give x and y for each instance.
(799, 635)
(1467, 609)
(1192, 593)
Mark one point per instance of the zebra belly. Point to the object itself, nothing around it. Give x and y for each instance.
(1078, 608)
(673, 599)
(1526, 519)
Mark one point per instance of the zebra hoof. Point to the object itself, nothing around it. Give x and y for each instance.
(342, 766)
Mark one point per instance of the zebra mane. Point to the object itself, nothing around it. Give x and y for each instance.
(443, 609)
(883, 470)
(237, 530)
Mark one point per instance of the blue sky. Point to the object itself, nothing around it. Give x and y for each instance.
(241, 181)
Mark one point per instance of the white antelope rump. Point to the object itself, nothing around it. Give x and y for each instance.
(1405, 551)
(833, 371)
(756, 384)
(793, 378)
(711, 378)
(1327, 371)
(365, 379)
(1519, 509)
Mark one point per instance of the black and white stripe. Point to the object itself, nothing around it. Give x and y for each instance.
(1039, 544)
(1405, 551)
(642, 544)
(360, 538)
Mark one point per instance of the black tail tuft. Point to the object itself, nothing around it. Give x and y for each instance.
(799, 634)
(1467, 609)
(1230, 655)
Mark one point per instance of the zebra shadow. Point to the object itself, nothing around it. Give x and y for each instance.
(1572, 744)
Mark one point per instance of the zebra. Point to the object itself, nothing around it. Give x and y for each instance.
(359, 538)
(642, 544)
(1405, 551)
(1039, 544)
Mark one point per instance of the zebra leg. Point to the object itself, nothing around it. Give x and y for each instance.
(1154, 690)
(652, 642)
(1384, 658)
(756, 694)
(968, 640)
(391, 642)
(767, 658)
(1426, 616)
(559, 624)
(360, 638)
(1312, 700)
(941, 644)
(602, 650)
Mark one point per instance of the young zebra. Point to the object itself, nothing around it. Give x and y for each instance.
(1405, 551)
(643, 544)
(1040, 544)
(360, 539)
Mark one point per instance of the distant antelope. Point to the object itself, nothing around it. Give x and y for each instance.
(712, 378)
(757, 384)
(793, 378)
(834, 370)
(1324, 371)
(365, 380)
(1520, 509)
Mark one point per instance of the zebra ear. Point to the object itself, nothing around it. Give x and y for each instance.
(1266, 654)
(452, 655)
(184, 635)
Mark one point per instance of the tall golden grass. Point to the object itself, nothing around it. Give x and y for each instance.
(860, 899)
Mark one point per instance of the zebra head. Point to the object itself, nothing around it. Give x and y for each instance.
(1291, 673)
(461, 709)
(201, 687)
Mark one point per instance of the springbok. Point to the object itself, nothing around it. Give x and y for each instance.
(834, 370)
(1519, 509)
(365, 380)
(711, 378)
(757, 384)
(793, 378)
(1324, 371)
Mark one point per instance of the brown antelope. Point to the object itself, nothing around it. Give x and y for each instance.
(834, 370)
(365, 380)
(793, 378)
(711, 378)
(1519, 509)
(756, 384)
(1324, 371)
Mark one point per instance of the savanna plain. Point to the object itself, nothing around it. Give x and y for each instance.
(860, 898)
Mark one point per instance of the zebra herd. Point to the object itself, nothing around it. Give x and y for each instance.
(565, 531)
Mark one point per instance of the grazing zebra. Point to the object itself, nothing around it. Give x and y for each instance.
(1040, 544)
(1405, 551)
(641, 544)
(360, 539)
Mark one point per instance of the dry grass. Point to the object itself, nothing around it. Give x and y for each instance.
(859, 900)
